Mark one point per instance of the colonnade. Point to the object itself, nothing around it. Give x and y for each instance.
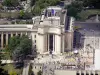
(49, 43)
(4, 37)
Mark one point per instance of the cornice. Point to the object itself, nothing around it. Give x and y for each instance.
(50, 26)
(49, 33)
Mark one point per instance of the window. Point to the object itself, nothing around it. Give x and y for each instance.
(82, 73)
(19, 35)
(35, 67)
(91, 74)
(35, 46)
(40, 67)
(35, 41)
(77, 73)
(34, 36)
(87, 73)
(14, 34)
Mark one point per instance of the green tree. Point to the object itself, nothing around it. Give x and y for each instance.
(10, 3)
(20, 47)
(13, 73)
(33, 2)
(2, 71)
(39, 73)
(72, 11)
(41, 4)
(91, 3)
(13, 43)
(74, 8)
(21, 14)
(17, 54)
(36, 10)
(30, 72)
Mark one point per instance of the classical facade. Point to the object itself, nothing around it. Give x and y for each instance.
(47, 31)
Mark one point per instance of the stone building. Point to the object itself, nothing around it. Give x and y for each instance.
(47, 31)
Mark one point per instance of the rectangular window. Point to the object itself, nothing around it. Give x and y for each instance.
(82, 73)
(4, 40)
(35, 41)
(77, 74)
(91, 73)
(34, 36)
(35, 46)
(87, 74)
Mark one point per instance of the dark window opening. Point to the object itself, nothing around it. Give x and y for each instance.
(35, 67)
(91, 73)
(14, 34)
(35, 41)
(77, 73)
(34, 36)
(4, 40)
(19, 35)
(82, 73)
(87, 74)
(0, 40)
(9, 36)
(51, 43)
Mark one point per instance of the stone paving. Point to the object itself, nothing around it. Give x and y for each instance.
(52, 62)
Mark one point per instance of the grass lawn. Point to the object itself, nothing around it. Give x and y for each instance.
(86, 13)
(10, 68)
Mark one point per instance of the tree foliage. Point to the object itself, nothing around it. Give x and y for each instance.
(41, 4)
(2, 71)
(39, 73)
(74, 8)
(24, 15)
(91, 3)
(20, 47)
(78, 5)
(11, 3)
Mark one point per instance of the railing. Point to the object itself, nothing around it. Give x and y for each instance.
(51, 21)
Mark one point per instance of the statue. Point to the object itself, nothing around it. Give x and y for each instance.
(97, 18)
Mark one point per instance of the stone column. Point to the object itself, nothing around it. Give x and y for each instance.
(26, 33)
(48, 43)
(84, 43)
(16, 34)
(94, 42)
(6, 38)
(2, 40)
(57, 44)
(40, 41)
(11, 34)
(63, 43)
(21, 33)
